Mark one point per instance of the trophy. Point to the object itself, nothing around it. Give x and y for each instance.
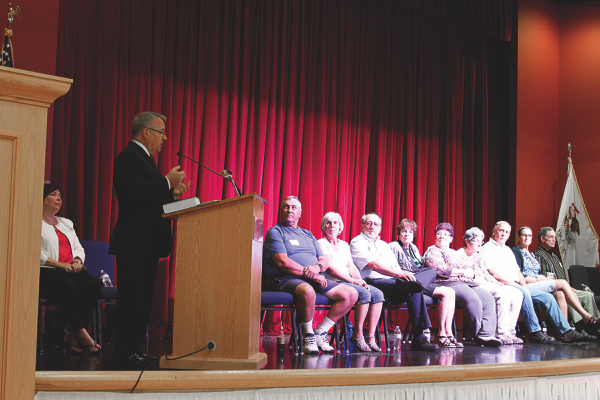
(7, 50)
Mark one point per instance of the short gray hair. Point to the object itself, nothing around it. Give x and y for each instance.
(543, 232)
(290, 197)
(364, 217)
(500, 222)
(331, 215)
(473, 233)
(144, 120)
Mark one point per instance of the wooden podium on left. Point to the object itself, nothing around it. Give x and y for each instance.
(24, 101)
(218, 270)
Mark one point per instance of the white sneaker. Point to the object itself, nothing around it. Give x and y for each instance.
(310, 344)
(515, 340)
(323, 342)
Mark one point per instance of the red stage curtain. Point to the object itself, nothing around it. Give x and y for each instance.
(392, 106)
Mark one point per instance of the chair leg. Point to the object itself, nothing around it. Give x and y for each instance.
(408, 332)
(385, 328)
(99, 324)
(295, 332)
(40, 329)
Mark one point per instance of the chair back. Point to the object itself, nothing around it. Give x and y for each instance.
(578, 276)
(593, 276)
(97, 258)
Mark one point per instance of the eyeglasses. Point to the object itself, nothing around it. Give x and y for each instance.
(442, 235)
(162, 133)
(526, 235)
(371, 223)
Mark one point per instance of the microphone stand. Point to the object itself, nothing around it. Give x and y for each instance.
(224, 174)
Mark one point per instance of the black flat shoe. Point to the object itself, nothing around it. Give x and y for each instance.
(134, 362)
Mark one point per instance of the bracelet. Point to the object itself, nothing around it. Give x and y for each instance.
(78, 261)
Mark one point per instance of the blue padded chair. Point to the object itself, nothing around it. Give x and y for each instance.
(97, 259)
(280, 301)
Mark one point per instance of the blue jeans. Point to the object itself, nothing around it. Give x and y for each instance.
(548, 303)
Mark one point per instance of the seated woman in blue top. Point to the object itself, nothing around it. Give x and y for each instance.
(530, 266)
(342, 269)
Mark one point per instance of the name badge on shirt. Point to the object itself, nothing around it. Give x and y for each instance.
(294, 242)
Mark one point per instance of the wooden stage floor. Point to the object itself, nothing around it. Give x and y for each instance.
(54, 359)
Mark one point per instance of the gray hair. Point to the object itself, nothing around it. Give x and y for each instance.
(543, 232)
(500, 222)
(290, 197)
(331, 215)
(473, 233)
(144, 120)
(364, 217)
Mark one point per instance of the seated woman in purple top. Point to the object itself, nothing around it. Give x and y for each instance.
(477, 303)
(409, 259)
(342, 269)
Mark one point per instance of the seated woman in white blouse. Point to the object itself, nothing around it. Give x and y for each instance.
(342, 269)
(61, 261)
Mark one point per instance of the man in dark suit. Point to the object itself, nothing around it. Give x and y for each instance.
(141, 236)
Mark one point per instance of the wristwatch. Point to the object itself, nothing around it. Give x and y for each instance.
(320, 267)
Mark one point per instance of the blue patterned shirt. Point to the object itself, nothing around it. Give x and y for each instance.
(531, 266)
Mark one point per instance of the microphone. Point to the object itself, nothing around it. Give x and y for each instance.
(227, 175)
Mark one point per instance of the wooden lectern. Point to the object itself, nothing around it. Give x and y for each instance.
(24, 101)
(218, 269)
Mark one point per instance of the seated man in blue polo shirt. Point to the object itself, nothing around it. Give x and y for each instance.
(293, 263)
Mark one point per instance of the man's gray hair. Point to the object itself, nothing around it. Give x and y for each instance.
(364, 217)
(500, 222)
(332, 215)
(473, 233)
(543, 232)
(290, 197)
(144, 120)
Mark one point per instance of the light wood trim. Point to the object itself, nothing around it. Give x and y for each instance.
(19, 86)
(24, 99)
(214, 204)
(217, 285)
(244, 380)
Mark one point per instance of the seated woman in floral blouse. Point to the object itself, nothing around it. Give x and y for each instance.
(410, 259)
(478, 305)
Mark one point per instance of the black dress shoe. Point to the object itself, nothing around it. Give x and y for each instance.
(133, 362)
(146, 357)
(422, 343)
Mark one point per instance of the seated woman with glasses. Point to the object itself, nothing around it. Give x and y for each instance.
(560, 288)
(410, 259)
(342, 269)
(478, 305)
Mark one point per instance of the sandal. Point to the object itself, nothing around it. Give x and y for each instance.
(359, 342)
(95, 349)
(444, 341)
(373, 344)
(455, 342)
